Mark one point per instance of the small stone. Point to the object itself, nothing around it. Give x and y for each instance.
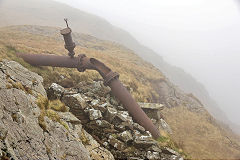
(103, 124)
(120, 127)
(173, 157)
(116, 143)
(105, 144)
(155, 148)
(94, 114)
(136, 134)
(165, 126)
(113, 101)
(99, 122)
(138, 127)
(110, 114)
(142, 141)
(74, 102)
(143, 144)
(94, 102)
(152, 109)
(167, 150)
(124, 116)
(55, 91)
(128, 125)
(145, 138)
(103, 107)
(153, 155)
(149, 134)
(120, 108)
(154, 121)
(126, 136)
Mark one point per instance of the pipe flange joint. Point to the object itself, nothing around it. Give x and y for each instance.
(109, 77)
(80, 65)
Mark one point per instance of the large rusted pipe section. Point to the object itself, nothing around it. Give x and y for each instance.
(111, 79)
(49, 60)
(133, 108)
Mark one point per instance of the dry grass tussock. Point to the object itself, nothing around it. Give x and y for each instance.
(50, 109)
(199, 135)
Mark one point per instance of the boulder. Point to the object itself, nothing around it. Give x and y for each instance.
(142, 141)
(94, 114)
(14, 75)
(74, 101)
(55, 91)
(22, 132)
(152, 109)
(126, 136)
(110, 114)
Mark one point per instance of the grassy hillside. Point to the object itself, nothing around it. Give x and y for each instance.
(135, 72)
(196, 133)
(193, 131)
(51, 13)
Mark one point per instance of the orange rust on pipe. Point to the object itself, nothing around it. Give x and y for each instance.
(110, 78)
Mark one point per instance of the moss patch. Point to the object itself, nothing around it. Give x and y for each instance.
(18, 85)
(45, 106)
(83, 138)
(57, 105)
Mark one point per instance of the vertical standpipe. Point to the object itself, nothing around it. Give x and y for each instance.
(69, 44)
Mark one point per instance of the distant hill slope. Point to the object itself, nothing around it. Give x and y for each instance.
(194, 130)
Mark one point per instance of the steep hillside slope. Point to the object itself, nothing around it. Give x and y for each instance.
(50, 13)
(35, 125)
(194, 130)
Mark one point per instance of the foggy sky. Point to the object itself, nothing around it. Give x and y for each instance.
(200, 36)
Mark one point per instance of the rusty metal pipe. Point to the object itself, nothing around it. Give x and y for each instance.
(49, 60)
(110, 78)
(133, 108)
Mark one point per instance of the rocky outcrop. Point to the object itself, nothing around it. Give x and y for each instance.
(91, 125)
(110, 124)
(21, 134)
